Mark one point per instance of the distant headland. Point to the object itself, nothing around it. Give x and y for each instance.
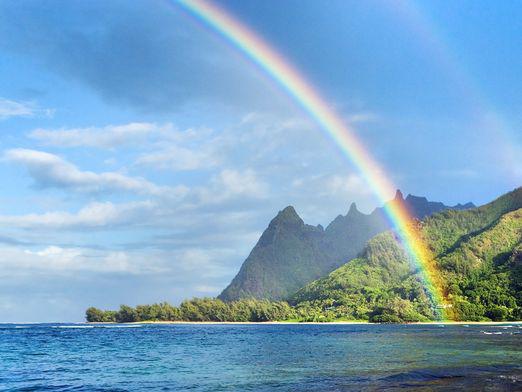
(356, 270)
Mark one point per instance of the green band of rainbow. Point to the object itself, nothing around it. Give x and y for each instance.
(309, 99)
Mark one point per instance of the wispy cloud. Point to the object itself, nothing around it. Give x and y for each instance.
(59, 260)
(166, 147)
(51, 171)
(231, 184)
(176, 158)
(185, 207)
(347, 185)
(362, 117)
(110, 136)
(93, 215)
(10, 108)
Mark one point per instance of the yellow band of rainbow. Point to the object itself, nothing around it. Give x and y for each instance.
(310, 100)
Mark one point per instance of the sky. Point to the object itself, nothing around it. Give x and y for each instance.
(142, 155)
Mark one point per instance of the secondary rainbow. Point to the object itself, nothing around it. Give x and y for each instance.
(310, 100)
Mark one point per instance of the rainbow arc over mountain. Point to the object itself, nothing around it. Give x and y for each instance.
(302, 92)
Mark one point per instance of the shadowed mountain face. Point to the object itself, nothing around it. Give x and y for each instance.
(291, 254)
(288, 253)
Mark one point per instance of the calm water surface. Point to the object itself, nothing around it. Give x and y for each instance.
(260, 357)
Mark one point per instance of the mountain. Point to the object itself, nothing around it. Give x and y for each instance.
(420, 207)
(478, 253)
(290, 253)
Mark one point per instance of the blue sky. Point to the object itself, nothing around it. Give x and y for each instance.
(142, 155)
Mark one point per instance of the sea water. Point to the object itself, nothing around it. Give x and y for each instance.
(259, 357)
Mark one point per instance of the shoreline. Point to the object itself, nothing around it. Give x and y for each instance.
(493, 323)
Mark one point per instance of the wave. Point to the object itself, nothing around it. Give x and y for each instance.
(73, 326)
(122, 326)
(96, 326)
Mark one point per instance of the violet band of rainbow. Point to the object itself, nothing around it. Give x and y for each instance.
(303, 92)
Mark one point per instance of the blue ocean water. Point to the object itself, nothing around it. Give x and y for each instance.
(296, 357)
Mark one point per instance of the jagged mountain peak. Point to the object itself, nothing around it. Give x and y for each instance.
(287, 215)
(287, 255)
(413, 198)
(353, 209)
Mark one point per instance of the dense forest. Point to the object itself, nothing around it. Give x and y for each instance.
(477, 252)
(198, 309)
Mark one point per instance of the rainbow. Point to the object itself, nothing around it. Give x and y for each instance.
(484, 115)
(344, 137)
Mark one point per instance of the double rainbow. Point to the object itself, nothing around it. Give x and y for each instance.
(309, 99)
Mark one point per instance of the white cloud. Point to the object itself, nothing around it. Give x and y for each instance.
(178, 204)
(110, 136)
(347, 185)
(178, 158)
(164, 146)
(49, 170)
(92, 215)
(209, 290)
(226, 186)
(58, 260)
(206, 263)
(231, 184)
(241, 183)
(362, 117)
(9, 108)
(190, 149)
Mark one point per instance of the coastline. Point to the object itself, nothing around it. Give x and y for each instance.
(363, 322)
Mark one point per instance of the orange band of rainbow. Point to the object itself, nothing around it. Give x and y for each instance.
(309, 99)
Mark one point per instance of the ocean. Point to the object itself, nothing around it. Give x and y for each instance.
(258, 357)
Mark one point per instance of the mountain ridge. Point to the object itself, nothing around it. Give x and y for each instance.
(291, 253)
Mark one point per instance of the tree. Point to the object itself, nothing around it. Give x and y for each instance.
(94, 315)
(126, 314)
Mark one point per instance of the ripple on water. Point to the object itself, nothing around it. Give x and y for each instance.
(258, 357)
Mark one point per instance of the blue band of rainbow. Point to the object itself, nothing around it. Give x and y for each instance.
(310, 100)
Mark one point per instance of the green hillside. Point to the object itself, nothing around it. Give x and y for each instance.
(478, 252)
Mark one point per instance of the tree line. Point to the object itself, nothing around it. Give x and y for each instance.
(250, 310)
(198, 309)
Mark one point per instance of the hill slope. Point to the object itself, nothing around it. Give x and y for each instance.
(478, 253)
(290, 253)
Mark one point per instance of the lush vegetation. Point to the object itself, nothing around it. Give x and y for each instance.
(198, 309)
(378, 286)
(477, 252)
